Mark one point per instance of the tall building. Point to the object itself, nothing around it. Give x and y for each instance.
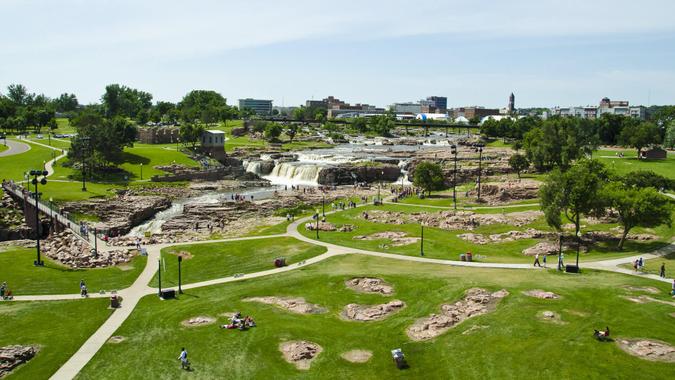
(259, 106)
(512, 104)
(406, 108)
(439, 103)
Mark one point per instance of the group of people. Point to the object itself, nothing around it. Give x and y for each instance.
(638, 264)
(241, 197)
(536, 260)
(237, 322)
(5, 293)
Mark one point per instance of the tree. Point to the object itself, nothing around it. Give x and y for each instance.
(646, 178)
(638, 207)
(99, 140)
(298, 113)
(429, 177)
(669, 139)
(610, 127)
(191, 133)
(640, 136)
(18, 94)
(518, 162)
(574, 193)
(66, 103)
(291, 131)
(360, 124)
(273, 131)
(559, 142)
(119, 100)
(203, 106)
(382, 124)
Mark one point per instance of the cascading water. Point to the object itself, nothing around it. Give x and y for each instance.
(294, 173)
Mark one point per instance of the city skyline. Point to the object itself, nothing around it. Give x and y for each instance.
(547, 54)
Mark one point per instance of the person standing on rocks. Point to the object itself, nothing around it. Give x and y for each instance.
(536, 260)
(662, 272)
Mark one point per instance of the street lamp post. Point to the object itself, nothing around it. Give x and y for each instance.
(85, 140)
(578, 246)
(480, 161)
(180, 260)
(317, 224)
(323, 204)
(422, 241)
(35, 181)
(141, 171)
(454, 177)
(95, 244)
(159, 276)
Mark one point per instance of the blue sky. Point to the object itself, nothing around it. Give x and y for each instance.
(548, 53)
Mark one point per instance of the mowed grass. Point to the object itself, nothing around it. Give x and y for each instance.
(215, 260)
(630, 162)
(23, 278)
(72, 191)
(513, 344)
(59, 328)
(653, 266)
(14, 166)
(151, 155)
(445, 244)
(3, 147)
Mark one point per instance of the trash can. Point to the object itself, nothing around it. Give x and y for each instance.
(114, 301)
(280, 262)
(462, 257)
(469, 256)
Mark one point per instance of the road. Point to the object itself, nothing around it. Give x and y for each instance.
(15, 147)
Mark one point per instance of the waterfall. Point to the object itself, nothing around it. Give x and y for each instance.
(295, 173)
(252, 166)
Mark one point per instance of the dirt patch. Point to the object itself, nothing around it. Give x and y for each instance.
(357, 356)
(13, 356)
(300, 353)
(648, 349)
(295, 305)
(481, 239)
(201, 320)
(397, 238)
(476, 302)
(115, 339)
(643, 289)
(356, 312)
(638, 299)
(184, 254)
(578, 313)
(537, 293)
(550, 316)
(370, 285)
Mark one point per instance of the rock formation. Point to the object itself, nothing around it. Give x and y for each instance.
(370, 285)
(356, 312)
(295, 305)
(13, 356)
(300, 353)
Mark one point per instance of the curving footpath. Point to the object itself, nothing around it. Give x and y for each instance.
(14, 147)
(140, 288)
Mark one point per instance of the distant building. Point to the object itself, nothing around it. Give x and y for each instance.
(406, 108)
(474, 112)
(438, 103)
(259, 106)
(213, 144)
(607, 106)
(511, 108)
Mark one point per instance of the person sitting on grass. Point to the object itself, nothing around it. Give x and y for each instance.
(601, 335)
(249, 322)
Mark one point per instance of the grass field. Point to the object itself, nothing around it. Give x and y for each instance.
(444, 244)
(16, 268)
(514, 343)
(59, 329)
(630, 162)
(217, 260)
(3, 147)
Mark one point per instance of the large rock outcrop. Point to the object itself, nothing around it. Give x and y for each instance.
(13, 356)
(348, 174)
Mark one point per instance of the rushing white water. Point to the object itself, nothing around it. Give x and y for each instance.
(295, 173)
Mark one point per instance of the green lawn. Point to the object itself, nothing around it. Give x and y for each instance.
(653, 266)
(151, 155)
(630, 163)
(444, 244)
(217, 260)
(63, 126)
(3, 147)
(59, 328)
(513, 344)
(14, 166)
(72, 191)
(16, 267)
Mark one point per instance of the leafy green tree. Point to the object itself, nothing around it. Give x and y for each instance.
(298, 113)
(518, 162)
(610, 127)
(99, 140)
(429, 177)
(360, 124)
(646, 178)
(382, 125)
(669, 139)
(559, 141)
(66, 103)
(638, 207)
(18, 94)
(119, 100)
(273, 131)
(574, 193)
(641, 136)
(203, 106)
(191, 133)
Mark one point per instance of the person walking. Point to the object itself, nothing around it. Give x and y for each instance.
(184, 364)
(662, 272)
(641, 263)
(536, 261)
(544, 260)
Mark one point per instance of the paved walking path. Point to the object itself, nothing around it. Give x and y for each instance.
(140, 288)
(14, 147)
(462, 208)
